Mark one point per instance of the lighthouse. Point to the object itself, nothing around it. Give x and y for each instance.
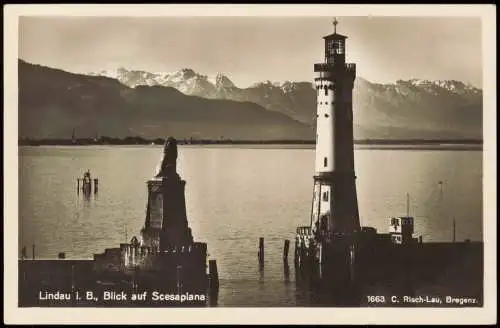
(334, 206)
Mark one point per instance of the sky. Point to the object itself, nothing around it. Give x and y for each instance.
(254, 49)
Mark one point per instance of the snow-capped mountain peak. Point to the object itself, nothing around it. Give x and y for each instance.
(185, 80)
(223, 82)
(453, 86)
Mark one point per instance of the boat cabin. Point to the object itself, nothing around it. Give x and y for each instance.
(401, 229)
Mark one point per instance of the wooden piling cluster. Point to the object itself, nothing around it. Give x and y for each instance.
(24, 253)
(87, 187)
(260, 254)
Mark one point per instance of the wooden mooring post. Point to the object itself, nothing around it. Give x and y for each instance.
(33, 251)
(213, 282)
(96, 185)
(285, 250)
(78, 184)
(261, 250)
(214, 276)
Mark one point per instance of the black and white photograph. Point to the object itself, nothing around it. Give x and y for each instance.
(272, 157)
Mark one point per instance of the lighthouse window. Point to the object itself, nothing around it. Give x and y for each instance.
(326, 90)
(337, 47)
(325, 161)
(325, 196)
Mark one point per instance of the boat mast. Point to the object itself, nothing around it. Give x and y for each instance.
(407, 204)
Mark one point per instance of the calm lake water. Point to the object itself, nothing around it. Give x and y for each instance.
(234, 195)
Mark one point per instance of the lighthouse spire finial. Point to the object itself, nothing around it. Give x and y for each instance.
(335, 22)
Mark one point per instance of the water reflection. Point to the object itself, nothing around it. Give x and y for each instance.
(286, 272)
(276, 189)
(261, 273)
(87, 198)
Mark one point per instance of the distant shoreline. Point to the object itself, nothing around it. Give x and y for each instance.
(159, 141)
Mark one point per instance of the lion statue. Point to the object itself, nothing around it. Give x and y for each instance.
(169, 160)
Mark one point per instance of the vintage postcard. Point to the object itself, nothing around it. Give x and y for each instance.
(250, 164)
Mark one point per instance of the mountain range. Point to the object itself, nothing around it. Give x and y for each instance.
(53, 102)
(187, 104)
